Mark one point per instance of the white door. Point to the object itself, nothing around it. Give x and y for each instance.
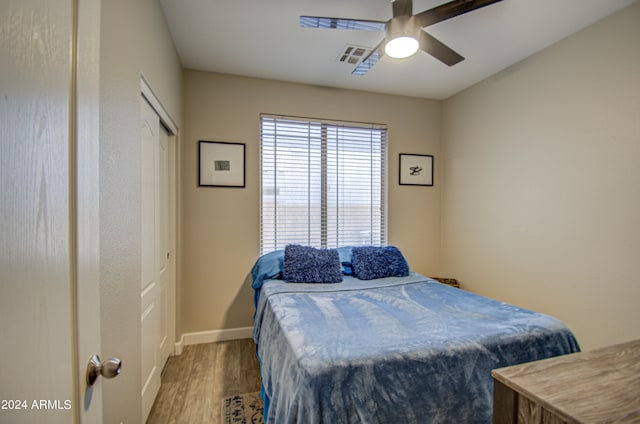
(49, 210)
(165, 274)
(157, 270)
(87, 187)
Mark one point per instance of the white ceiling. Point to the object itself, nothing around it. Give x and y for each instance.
(262, 38)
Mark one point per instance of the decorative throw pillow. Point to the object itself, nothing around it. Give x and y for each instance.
(305, 264)
(371, 262)
(268, 266)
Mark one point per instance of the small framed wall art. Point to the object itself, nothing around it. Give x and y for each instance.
(221, 164)
(416, 170)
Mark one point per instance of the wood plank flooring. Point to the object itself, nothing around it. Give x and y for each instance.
(194, 383)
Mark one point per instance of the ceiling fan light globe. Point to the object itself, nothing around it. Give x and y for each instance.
(401, 47)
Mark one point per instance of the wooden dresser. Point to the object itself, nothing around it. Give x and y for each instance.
(600, 386)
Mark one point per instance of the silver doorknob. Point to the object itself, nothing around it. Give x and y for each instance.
(108, 369)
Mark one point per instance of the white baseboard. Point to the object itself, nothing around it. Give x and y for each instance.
(178, 346)
(212, 336)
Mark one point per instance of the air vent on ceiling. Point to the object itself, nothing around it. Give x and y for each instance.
(353, 54)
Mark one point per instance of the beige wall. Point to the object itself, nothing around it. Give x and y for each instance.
(134, 40)
(220, 226)
(541, 203)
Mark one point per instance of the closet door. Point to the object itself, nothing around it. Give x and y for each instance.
(165, 270)
(150, 295)
(158, 235)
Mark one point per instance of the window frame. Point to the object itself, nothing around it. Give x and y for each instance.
(324, 125)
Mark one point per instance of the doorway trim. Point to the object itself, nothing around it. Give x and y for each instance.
(165, 118)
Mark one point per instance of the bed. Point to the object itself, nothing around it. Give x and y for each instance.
(387, 350)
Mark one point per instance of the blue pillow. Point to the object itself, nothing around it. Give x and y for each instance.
(371, 262)
(305, 264)
(347, 268)
(266, 267)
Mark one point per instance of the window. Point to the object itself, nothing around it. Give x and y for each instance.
(323, 183)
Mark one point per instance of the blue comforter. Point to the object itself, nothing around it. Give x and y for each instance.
(392, 350)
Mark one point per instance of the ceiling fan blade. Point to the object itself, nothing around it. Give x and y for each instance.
(450, 10)
(438, 50)
(341, 23)
(368, 62)
(402, 7)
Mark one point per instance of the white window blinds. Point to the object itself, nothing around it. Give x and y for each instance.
(323, 183)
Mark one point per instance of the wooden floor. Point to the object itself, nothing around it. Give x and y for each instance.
(194, 383)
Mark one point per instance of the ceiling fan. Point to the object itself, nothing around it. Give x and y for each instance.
(403, 32)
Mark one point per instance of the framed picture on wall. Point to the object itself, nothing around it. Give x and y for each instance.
(221, 164)
(416, 170)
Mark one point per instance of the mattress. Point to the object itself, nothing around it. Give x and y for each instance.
(390, 350)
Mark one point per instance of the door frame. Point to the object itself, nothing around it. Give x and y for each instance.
(165, 118)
